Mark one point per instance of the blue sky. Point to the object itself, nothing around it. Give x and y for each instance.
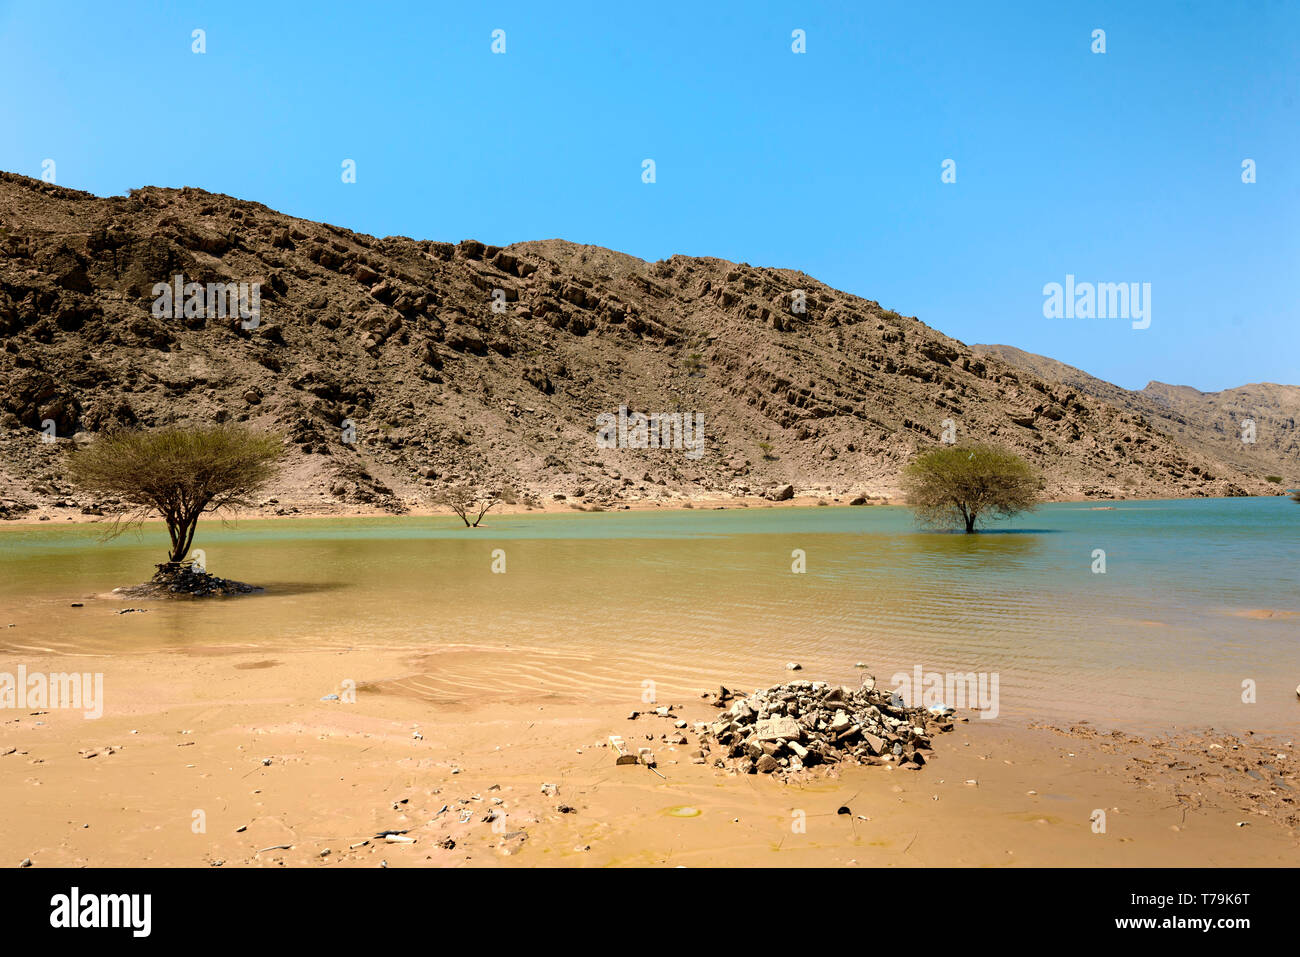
(1115, 167)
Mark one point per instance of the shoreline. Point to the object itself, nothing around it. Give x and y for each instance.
(243, 736)
(238, 732)
(310, 510)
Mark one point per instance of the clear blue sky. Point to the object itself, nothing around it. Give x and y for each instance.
(1116, 167)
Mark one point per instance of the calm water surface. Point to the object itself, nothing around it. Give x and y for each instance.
(1197, 597)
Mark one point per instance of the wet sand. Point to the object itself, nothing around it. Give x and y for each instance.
(217, 756)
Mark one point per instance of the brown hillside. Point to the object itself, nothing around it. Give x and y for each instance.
(399, 337)
(1208, 422)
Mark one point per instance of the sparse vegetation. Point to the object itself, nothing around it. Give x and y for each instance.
(1275, 479)
(465, 501)
(178, 473)
(968, 484)
(766, 448)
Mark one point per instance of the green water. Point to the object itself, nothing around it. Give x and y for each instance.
(1166, 636)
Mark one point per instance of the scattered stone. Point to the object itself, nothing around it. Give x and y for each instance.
(26, 862)
(793, 666)
(782, 493)
(624, 756)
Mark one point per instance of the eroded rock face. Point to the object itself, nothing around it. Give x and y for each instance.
(799, 724)
(489, 366)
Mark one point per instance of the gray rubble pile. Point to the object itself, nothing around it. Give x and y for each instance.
(174, 579)
(804, 723)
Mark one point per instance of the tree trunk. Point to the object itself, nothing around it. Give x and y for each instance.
(182, 538)
(970, 523)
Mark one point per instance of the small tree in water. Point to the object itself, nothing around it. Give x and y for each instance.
(968, 484)
(466, 502)
(178, 473)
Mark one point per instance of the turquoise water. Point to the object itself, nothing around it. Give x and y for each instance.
(1198, 596)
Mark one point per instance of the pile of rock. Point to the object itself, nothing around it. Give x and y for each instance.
(182, 580)
(804, 723)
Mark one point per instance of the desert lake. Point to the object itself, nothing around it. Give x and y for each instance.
(1197, 598)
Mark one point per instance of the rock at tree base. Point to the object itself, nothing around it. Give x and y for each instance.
(185, 581)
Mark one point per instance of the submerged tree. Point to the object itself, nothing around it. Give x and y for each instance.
(178, 473)
(464, 500)
(969, 484)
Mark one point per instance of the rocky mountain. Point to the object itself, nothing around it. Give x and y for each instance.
(1254, 427)
(396, 365)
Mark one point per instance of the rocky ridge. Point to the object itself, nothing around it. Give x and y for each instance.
(394, 366)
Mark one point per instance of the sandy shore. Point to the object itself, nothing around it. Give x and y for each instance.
(219, 756)
(314, 508)
(286, 508)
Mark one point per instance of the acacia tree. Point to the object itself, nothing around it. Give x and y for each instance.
(969, 484)
(464, 500)
(178, 473)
